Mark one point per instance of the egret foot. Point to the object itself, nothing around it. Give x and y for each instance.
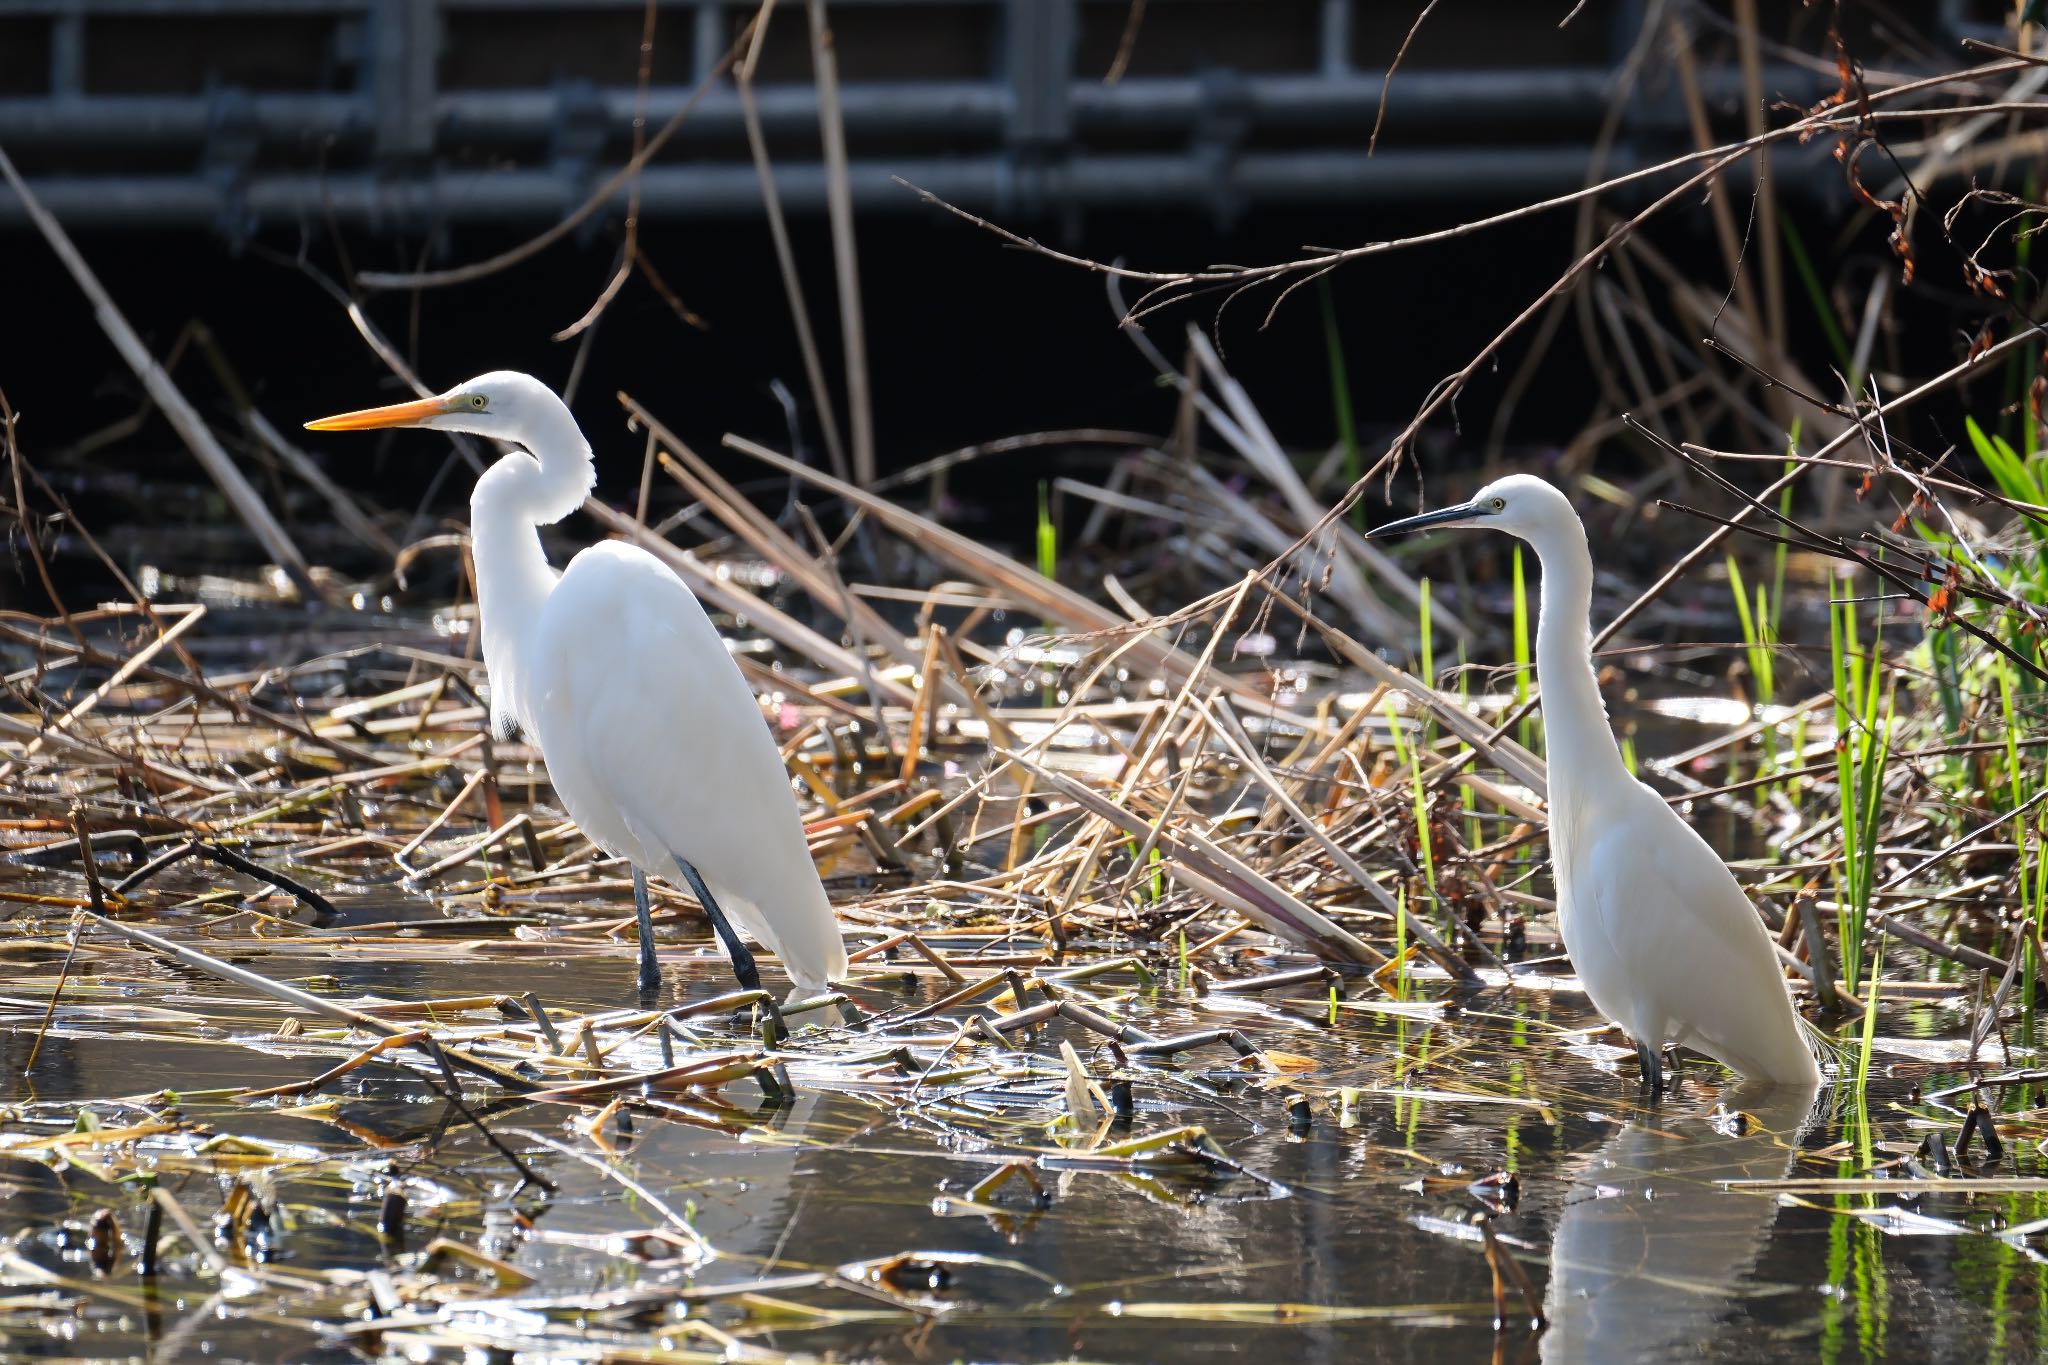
(742, 960)
(643, 910)
(1652, 1067)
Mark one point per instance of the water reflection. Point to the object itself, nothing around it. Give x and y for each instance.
(1360, 1249)
(1651, 1250)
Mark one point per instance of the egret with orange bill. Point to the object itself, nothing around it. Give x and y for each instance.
(653, 740)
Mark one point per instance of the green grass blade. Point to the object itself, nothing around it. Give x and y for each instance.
(1340, 395)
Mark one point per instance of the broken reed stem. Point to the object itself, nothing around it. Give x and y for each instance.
(1501, 1262)
(846, 261)
(50, 1011)
(785, 258)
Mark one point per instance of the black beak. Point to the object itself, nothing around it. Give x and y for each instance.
(1443, 516)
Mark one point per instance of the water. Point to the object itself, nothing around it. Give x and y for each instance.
(840, 1224)
(1350, 1241)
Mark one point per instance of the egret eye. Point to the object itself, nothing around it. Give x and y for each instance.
(1500, 504)
(479, 402)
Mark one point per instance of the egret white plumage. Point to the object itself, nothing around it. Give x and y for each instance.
(1662, 936)
(652, 738)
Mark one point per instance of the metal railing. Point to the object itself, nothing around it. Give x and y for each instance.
(364, 129)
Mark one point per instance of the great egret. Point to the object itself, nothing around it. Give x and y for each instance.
(1667, 944)
(652, 738)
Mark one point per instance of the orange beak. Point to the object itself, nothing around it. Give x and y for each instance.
(396, 415)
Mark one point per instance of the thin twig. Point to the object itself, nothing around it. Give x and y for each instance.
(1387, 81)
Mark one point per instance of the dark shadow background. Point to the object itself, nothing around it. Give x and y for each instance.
(969, 339)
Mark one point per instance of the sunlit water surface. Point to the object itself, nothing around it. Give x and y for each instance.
(1352, 1240)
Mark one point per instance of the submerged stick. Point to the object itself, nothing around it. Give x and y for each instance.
(1501, 1262)
(292, 995)
(234, 861)
(50, 1013)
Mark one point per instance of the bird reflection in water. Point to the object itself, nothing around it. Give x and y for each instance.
(1651, 1247)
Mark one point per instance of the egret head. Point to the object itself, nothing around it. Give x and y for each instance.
(504, 404)
(1520, 504)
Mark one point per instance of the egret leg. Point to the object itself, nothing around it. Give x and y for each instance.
(742, 958)
(1652, 1067)
(643, 910)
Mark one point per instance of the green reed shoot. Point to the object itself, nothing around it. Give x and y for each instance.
(1870, 770)
(1869, 1038)
(1412, 759)
(1841, 627)
(2031, 907)
(1428, 635)
(1817, 295)
(2013, 472)
(1760, 640)
(2015, 774)
(1522, 655)
(1426, 621)
(1154, 885)
(2038, 919)
(2022, 479)
(1401, 943)
(1757, 637)
(2019, 478)
(1778, 550)
(1473, 838)
(2027, 880)
(1048, 536)
(1862, 747)
(1048, 564)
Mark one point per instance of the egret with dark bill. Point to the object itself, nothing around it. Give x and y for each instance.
(1661, 934)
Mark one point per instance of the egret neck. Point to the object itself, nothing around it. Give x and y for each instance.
(1576, 735)
(522, 492)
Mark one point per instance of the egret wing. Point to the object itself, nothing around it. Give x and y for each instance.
(1698, 967)
(658, 748)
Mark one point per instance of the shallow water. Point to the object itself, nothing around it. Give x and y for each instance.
(1350, 1241)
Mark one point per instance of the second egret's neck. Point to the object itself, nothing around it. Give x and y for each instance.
(515, 498)
(1577, 738)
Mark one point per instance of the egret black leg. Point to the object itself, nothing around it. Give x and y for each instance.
(742, 958)
(1652, 1067)
(643, 910)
